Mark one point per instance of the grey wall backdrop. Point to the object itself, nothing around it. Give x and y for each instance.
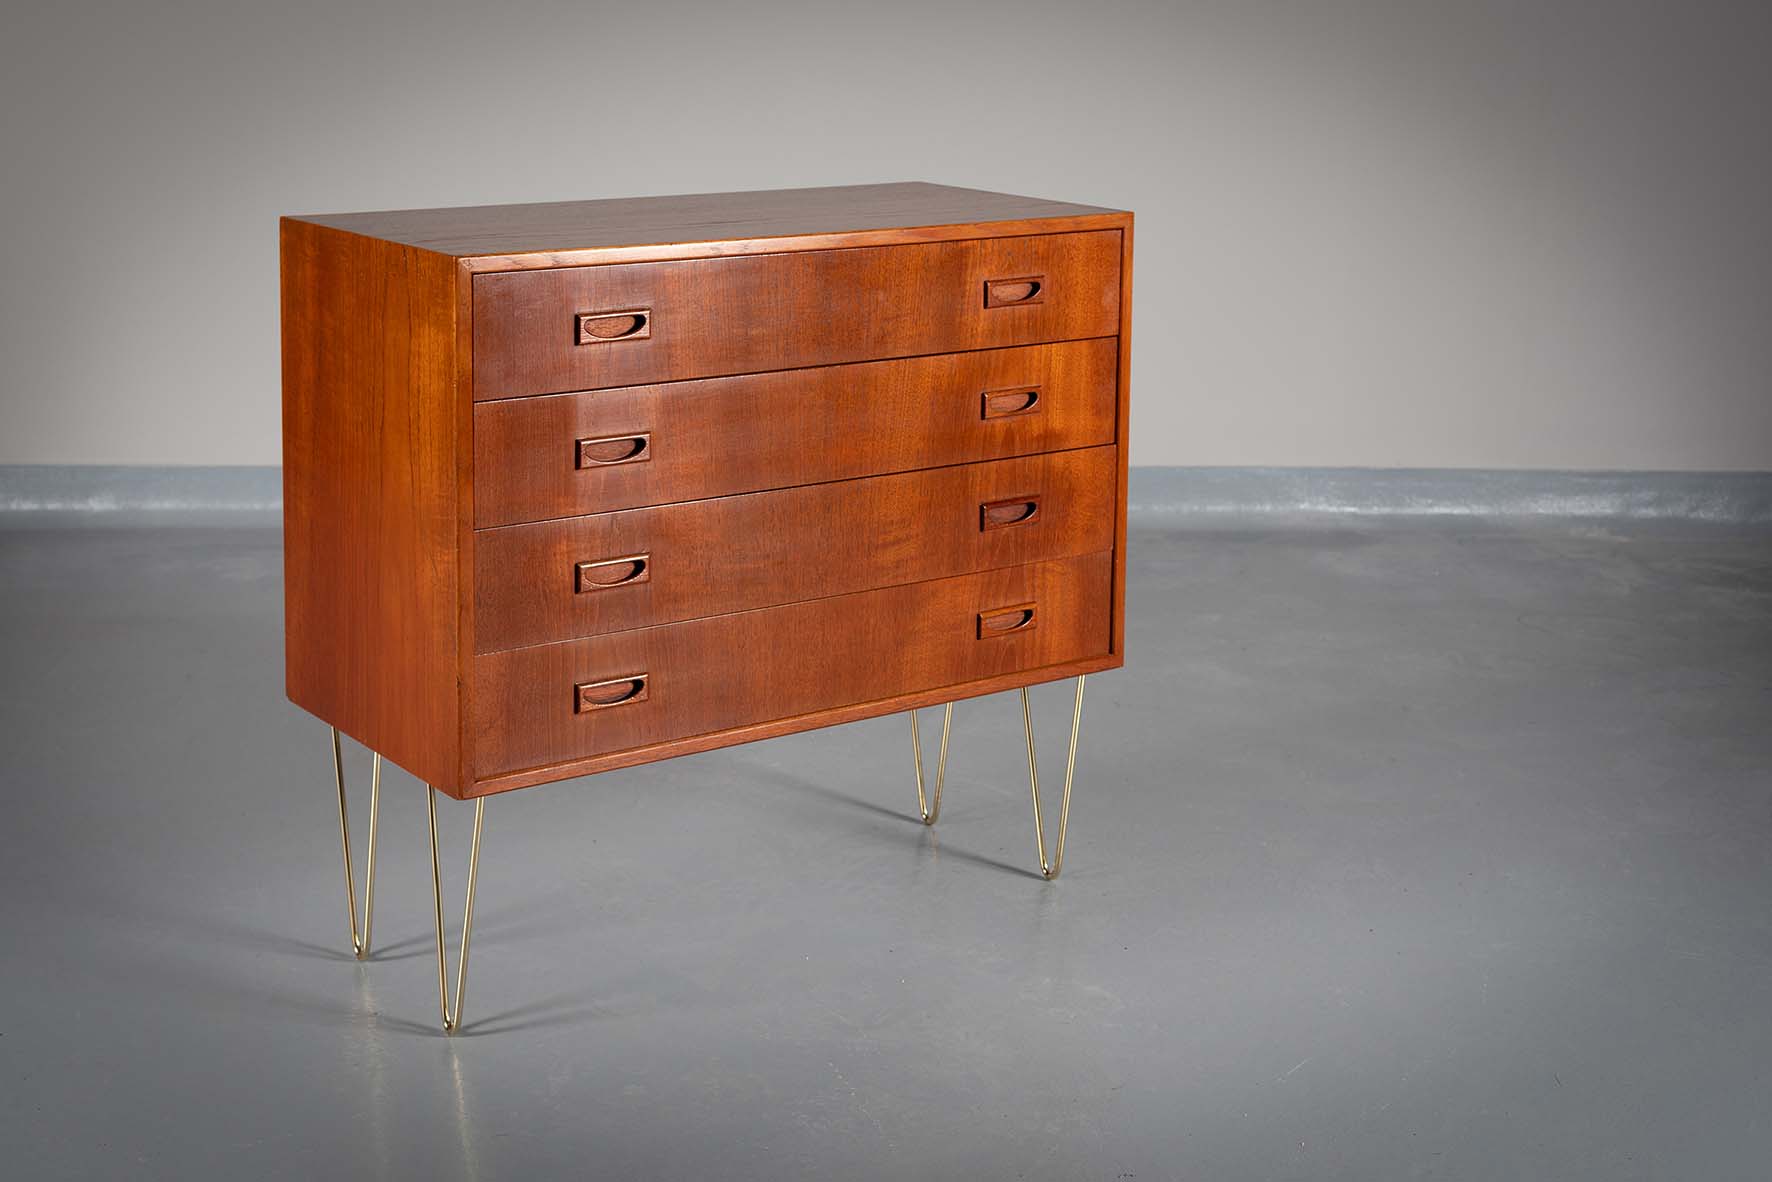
(1502, 234)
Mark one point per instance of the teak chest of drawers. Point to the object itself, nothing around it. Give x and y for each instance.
(578, 486)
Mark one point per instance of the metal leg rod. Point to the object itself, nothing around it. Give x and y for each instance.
(1051, 869)
(359, 939)
(930, 809)
(452, 1014)
(931, 812)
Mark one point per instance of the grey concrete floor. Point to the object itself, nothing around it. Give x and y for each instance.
(1406, 849)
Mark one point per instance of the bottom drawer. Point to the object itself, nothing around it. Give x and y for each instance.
(553, 703)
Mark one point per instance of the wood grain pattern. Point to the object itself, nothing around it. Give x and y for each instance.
(770, 312)
(743, 434)
(371, 495)
(732, 554)
(708, 675)
(791, 724)
(558, 227)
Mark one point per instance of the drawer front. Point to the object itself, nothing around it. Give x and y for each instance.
(533, 707)
(557, 580)
(584, 328)
(719, 436)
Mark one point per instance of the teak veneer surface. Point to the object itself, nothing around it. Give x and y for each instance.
(783, 311)
(566, 226)
(806, 408)
(373, 494)
(740, 434)
(730, 671)
(731, 554)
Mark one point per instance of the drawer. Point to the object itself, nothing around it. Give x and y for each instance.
(558, 580)
(583, 328)
(548, 704)
(718, 436)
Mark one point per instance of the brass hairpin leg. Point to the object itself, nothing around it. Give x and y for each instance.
(928, 812)
(359, 941)
(1050, 870)
(452, 1017)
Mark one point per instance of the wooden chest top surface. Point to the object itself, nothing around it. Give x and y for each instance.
(567, 226)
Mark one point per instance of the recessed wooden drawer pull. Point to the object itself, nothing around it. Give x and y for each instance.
(1013, 293)
(1005, 404)
(616, 449)
(600, 695)
(1010, 511)
(599, 328)
(613, 572)
(1003, 621)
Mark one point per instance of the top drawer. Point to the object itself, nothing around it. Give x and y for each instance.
(582, 328)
